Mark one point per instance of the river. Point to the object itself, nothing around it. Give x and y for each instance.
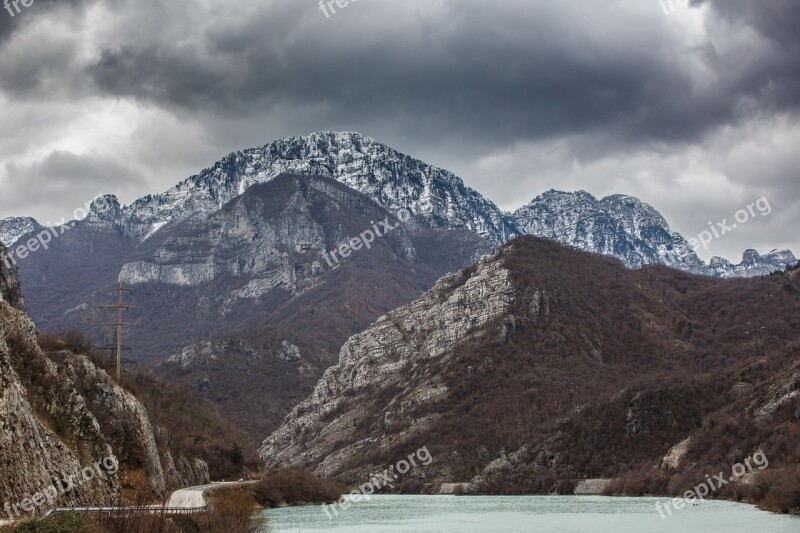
(518, 514)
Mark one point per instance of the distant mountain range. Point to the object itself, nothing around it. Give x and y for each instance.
(240, 296)
(620, 226)
(244, 295)
(353, 304)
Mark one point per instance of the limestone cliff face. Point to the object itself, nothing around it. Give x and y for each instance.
(266, 245)
(53, 435)
(122, 419)
(185, 472)
(10, 291)
(59, 414)
(392, 355)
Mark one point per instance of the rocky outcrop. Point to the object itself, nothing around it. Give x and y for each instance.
(61, 414)
(780, 393)
(11, 229)
(323, 430)
(47, 431)
(10, 290)
(185, 473)
(632, 231)
(676, 455)
(122, 419)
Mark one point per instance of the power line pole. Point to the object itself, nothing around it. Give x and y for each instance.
(120, 307)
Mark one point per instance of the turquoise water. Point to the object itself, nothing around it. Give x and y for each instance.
(517, 514)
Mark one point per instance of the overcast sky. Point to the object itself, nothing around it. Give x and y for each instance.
(694, 112)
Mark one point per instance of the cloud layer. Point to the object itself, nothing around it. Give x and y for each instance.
(695, 111)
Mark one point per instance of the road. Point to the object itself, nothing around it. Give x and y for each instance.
(193, 497)
(188, 500)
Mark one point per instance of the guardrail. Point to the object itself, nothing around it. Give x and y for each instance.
(123, 510)
(151, 509)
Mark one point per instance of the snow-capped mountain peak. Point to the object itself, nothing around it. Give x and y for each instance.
(11, 229)
(618, 225)
(393, 179)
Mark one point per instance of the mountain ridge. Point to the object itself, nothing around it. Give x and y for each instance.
(496, 368)
(618, 225)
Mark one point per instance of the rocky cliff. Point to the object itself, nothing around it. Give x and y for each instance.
(48, 433)
(542, 364)
(392, 355)
(61, 413)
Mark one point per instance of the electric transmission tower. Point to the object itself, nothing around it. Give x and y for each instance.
(120, 306)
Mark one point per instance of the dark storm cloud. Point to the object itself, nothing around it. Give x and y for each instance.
(516, 96)
(495, 71)
(774, 77)
(10, 23)
(71, 178)
(774, 19)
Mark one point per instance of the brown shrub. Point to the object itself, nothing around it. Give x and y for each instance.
(294, 486)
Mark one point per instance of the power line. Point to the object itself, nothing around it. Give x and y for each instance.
(120, 306)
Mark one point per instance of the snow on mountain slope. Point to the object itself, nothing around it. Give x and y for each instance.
(11, 229)
(619, 225)
(631, 230)
(392, 179)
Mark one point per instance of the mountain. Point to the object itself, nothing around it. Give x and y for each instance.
(619, 225)
(632, 231)
(391, 179)
(61, 413)
(224, 291)
(230, 266)
(542, 364)
(11, 229)
(752, 264)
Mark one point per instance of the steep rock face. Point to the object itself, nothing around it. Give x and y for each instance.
(323, 429)
(574, 367)
(11, 229)
(61, 413)
(185, 473)
(222, 244)
(122, 419)
(31, 453)
(10, 290)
